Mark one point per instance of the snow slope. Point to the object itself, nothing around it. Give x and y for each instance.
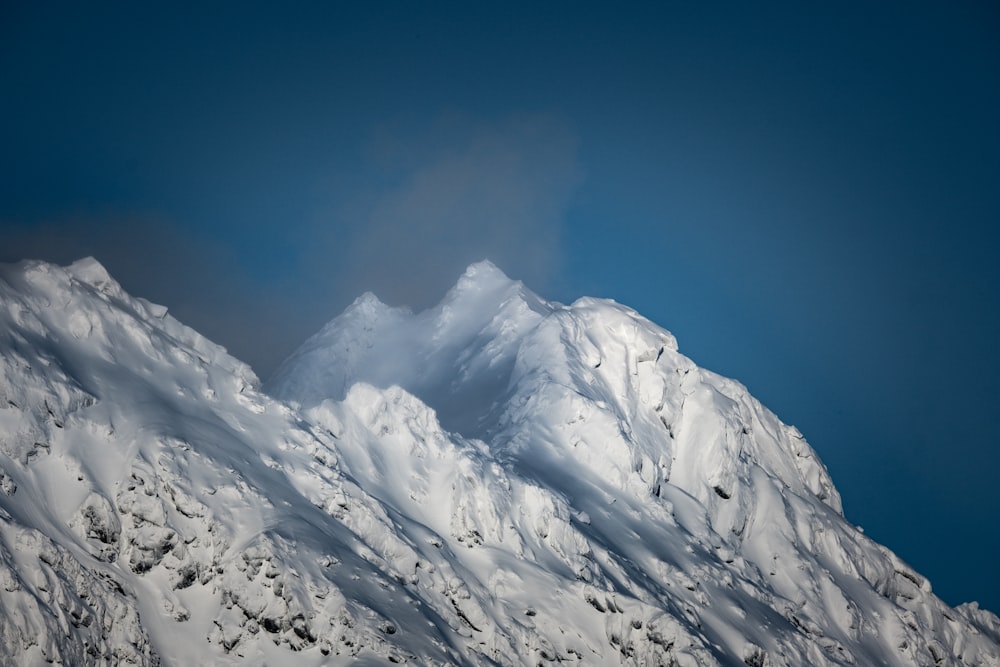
(497, 480)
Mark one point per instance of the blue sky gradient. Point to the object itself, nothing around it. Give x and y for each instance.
(807, 195)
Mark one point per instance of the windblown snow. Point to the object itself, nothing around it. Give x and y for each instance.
(499, 480)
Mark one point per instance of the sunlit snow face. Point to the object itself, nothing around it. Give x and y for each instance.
(660, 510)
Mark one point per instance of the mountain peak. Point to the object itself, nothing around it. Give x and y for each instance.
(88, 270)
(482, 273)
(456, 356)
(369, 307)
(483, 286)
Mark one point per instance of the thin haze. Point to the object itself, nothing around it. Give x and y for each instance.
(436, 199)
(466, 190)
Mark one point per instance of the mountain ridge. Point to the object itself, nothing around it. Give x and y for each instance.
(424, 478)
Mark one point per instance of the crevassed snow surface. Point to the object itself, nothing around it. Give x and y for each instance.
(497, 480)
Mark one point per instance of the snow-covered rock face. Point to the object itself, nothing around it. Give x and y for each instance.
(497, 480)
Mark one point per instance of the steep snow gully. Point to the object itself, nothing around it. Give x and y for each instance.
(499, 480)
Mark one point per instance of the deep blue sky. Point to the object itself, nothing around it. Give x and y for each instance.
(806, 194)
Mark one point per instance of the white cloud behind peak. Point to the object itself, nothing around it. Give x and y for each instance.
(465, 190)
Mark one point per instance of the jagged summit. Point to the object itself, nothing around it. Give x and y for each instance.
(481, 274)
(92, 272)
(456, 356)
(498, 480)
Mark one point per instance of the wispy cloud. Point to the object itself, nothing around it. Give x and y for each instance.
(457, 192)
(426, 202)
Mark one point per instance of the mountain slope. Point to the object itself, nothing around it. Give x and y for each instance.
(685, 493)
(156, 508)
(498, 480)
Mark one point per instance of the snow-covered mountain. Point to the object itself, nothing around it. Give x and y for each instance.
(497, 480)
